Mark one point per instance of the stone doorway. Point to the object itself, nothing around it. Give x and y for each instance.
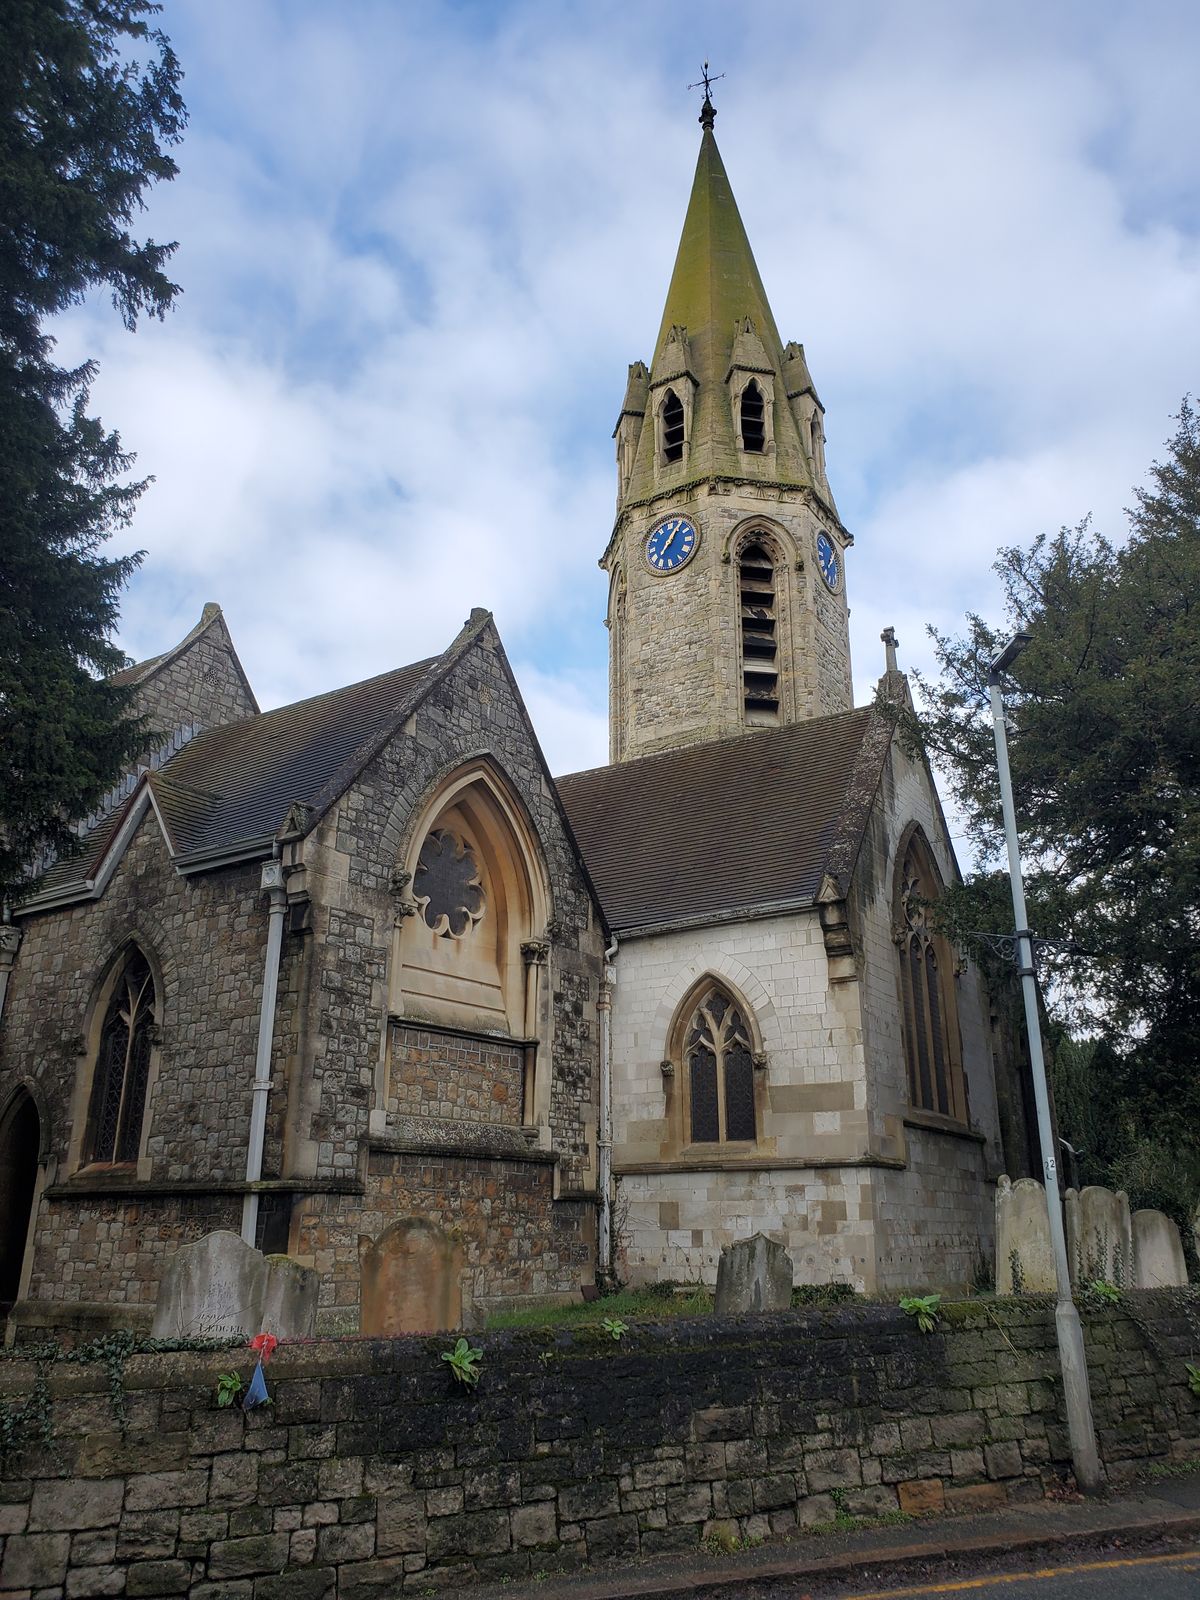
(20, 1142)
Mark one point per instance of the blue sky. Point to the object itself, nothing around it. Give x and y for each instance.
(419, 244)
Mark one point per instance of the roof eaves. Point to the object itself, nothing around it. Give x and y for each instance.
(251, 848)
(753, 912)
(124, 826)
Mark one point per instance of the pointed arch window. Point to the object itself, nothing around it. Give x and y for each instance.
(931, 1044)
(122, 1073)
(759, 628)
(754, 428)
(718, 1056)
(672, 427)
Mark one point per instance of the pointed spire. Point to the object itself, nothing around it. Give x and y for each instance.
(717, 321)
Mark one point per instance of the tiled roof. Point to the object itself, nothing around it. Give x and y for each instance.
(714, 830)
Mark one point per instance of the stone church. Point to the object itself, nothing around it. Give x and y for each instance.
(362, 964)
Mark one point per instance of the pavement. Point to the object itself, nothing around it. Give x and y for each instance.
(871, 1559)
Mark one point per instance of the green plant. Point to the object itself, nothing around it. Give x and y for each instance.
(463, 1362)
(615, 1328)
(229, 1387)
(1099, 1289)
(924, 1307)
(1193, 1372)
(823, 1294)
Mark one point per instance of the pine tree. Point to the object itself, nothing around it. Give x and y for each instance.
(89, 99)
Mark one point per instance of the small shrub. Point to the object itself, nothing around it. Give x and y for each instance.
(229, 1387)
(823, 1294)
(924, 1307)
(464, 1362)
(1193, 1372)
(1103, 1292)
(615, 1328)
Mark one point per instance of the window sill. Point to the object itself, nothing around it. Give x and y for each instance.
(935, 1122)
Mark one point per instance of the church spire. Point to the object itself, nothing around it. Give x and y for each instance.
(717, 340)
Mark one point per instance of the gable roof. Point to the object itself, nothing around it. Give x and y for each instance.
(142, 671)
(735, 827)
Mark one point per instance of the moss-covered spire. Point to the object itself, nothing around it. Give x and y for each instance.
(716, 301)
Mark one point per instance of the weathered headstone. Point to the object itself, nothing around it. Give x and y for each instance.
(1099, 1235)
(1196, 1231)
(411, 1280)
(1158, 1260)
(1024, 1255)
(753, 1275)
(221, 1288)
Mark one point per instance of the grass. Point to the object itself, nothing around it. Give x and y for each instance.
(655, 1300)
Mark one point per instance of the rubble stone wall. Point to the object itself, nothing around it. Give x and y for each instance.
(372, 1474)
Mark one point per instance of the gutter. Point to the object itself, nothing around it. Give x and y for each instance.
(272, 882)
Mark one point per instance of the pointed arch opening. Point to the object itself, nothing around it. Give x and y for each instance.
(122, 1067)
(932, 1045)
(477, 895)
(715, 1041)
(673, 427)
(753, 419)
(20, 1147)
(759, 624)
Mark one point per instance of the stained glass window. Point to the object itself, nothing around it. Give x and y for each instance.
(447, 884)
(934, 1076)
(720, 1068)
(118, 1104)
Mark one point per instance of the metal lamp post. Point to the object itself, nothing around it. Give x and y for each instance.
(1071, 1355)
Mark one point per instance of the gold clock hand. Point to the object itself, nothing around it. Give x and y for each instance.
(670, 541)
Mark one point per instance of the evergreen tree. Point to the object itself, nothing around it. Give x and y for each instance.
(89, 100)
(1104, 739)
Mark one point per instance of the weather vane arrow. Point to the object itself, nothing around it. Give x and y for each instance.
(707, 110)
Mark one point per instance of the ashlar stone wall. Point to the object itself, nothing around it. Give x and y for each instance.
(372, 1474)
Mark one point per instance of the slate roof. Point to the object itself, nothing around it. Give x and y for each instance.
(232, 787)
(716, 830)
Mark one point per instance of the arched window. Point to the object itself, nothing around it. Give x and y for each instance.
(118, 1103)
(759, 623)
(817, 437)
(20, 1146)
(672, 427)
(754, 435)
(931, 1043)
(718, 1057)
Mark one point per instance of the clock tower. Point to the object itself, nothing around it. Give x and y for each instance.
(727, 594)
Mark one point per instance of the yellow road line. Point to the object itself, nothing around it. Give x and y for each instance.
(962, 1584)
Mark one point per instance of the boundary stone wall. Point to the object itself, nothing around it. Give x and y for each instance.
(370, 1474)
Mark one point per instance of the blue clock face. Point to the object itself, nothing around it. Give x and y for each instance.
(827, 560)
(671, 544)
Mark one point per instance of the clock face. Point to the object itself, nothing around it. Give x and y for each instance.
(671, 544)
(828, 560)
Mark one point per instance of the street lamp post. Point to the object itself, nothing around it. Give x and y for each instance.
(1071, 1355)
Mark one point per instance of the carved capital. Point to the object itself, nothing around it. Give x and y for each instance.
(400, 880)
(760, 1060)
(405, 909)
(535, 952)
(10, 943)
(667, 1068)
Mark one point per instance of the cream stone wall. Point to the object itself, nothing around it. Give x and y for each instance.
(674, 640)
(860, 1186)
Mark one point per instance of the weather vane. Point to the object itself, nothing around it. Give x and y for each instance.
(707, 111)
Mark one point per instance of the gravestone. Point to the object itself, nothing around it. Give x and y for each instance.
(1196, 1231)
(1024, 1254)
(1099, 1235)
(753, 1275)
(411, 1280)
(222, 1288)
(1158, 1261)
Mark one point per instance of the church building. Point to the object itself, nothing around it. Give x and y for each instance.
(361, 964)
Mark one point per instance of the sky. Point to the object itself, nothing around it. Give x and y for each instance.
(419, 244)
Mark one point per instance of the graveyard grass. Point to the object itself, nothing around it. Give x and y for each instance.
(654, 1301)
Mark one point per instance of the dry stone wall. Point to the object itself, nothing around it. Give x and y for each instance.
(370, 1474)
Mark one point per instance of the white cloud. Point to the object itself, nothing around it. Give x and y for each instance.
(419, 246)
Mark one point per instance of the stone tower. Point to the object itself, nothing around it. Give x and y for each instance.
(727, 597)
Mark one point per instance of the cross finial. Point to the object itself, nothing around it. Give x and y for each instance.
(707, 111)
(890, 641)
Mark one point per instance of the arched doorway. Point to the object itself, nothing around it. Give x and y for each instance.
(20, 1142)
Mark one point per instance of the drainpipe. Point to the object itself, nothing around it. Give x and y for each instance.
(604, 1141)
(272, 882)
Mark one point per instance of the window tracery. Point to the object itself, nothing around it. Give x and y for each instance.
(718, 1054)
(122, 1073)
(447, 884)
(926, 978)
